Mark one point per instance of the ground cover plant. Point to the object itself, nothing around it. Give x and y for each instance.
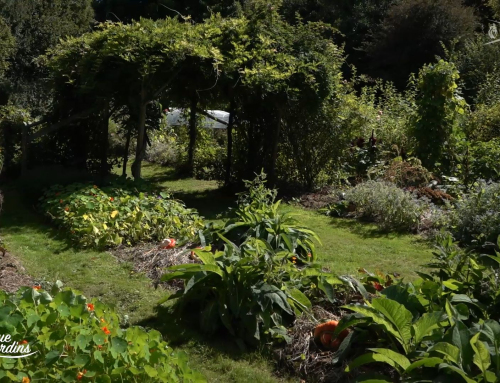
(113, 215)
(77, 339)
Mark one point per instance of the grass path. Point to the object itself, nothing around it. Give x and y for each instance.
(347, 245)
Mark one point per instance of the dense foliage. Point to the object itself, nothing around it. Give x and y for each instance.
(116, 214)
(74, 338)
(443, 326)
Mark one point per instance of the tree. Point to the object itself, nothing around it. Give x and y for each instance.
(412, 33)
(37, 26)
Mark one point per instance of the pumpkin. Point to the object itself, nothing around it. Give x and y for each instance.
(168, 243)
(323, 335)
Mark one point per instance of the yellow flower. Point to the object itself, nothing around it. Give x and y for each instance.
(26, 379)
(114, 214)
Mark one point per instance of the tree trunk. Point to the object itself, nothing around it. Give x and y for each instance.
(105, 141)
(140, 148)
(24, 153)
(192, 133)
(127, 148)
(274, 150)
(230, 143)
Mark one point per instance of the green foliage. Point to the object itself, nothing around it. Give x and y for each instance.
(252, 287)
(258, 216)
(114, 215)
(436, 127)
(74, 338)
(7, 46)
(439, 327)
(407, 173)
(477, 216)
(412, 33)
(390, 207)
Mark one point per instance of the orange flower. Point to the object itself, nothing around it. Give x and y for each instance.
(37, 287)
(294, 258)
(26, 379)
(106, 331)
(99, 347)
(90, 306)
(23, 342)
(102, 320)
(80, 375)
(111, 199)
(66, 208)
(309, 255)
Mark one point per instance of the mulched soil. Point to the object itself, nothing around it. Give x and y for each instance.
(12, 274)
(152, 260)
(319, 199)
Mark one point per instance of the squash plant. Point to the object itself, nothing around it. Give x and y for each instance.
(76, 339)
(96, 217)
(251, 291)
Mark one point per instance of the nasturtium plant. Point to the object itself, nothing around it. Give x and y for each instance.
(77, 339)
(107, 217)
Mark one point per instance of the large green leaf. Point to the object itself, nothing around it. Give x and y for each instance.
(371, 358)
(370, 312)
(401, 360)
(298, 297)
(426, 362)
(425, 324)
(482, 357)
(447, 349)
(398, 315)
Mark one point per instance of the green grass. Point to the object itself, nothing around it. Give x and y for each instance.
(346, 246)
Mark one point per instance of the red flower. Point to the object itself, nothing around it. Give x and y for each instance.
(90, 306)
(79, 376)
(23, 342)
(111, 199)
(106, 331)
(377, 286)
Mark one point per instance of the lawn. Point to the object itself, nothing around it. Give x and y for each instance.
(47, 256)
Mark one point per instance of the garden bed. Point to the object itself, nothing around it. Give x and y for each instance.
(12, 274)
(152, 260)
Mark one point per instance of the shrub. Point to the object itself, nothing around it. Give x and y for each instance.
(485, 160)
(437, 124)
(79, 339)
(389, 206)
(113, 215)
(477, 215)
(405, 174)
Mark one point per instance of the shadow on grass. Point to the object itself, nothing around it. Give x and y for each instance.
(181, 330)
(366, 229)
(18, 216)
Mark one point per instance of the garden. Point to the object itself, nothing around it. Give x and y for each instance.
(342, 224)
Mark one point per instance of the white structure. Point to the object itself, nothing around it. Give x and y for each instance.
(178, 117)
